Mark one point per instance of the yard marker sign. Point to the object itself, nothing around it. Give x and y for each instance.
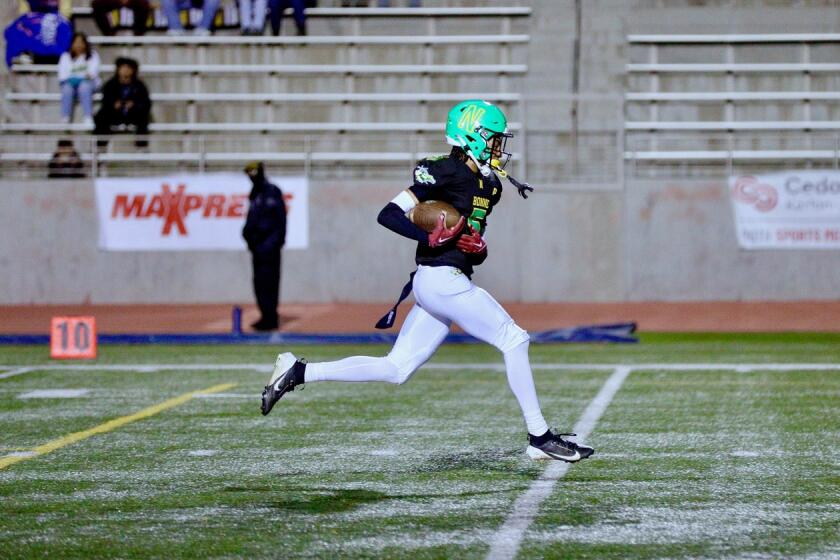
(73, 338)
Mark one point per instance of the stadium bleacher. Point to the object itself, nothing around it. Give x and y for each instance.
(341, 79)
(688, 98)
(732, 98)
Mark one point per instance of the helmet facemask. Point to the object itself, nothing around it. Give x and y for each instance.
(496, 150)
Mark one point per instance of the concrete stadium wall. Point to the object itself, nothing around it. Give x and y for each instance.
(661, 240)
(680, 244)
(563, 250)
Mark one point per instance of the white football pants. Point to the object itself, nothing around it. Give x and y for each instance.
(445, 295)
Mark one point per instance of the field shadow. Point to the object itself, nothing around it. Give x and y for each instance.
(506, 461)
(342, 500)
(333, 501)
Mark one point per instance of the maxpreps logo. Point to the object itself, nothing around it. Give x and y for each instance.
(748, 190)
(174, 206)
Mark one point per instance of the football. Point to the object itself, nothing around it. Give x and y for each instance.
(425, 214)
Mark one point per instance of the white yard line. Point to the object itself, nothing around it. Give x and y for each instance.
(16, 371)
(505, 542)
(498, 366)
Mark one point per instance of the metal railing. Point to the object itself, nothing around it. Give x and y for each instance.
(549, 151)
(548, 158)
(29, 155)
(692, 155)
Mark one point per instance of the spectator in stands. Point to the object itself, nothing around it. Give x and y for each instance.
(265, 233)
(65, 162)
(172, 8)
(78, 75)
(126, 106)
(39, 37)
(102, 9)
(64, 7)
(277, 8)
(252, 16)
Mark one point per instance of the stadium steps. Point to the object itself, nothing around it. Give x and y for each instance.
(43, 108)
(371, 20)
(346, 88)
(260, 127)
(219, 49)
(719, 98)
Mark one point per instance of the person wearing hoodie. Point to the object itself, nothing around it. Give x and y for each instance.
(126, 105)
(265, 234)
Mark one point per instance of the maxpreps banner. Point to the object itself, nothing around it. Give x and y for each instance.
(791, 210)
(190, 212)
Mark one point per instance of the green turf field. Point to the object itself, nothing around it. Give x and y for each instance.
(697, 455)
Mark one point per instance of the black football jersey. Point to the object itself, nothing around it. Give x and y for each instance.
(449, 179)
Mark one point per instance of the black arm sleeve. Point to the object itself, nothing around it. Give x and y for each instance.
(393, 218)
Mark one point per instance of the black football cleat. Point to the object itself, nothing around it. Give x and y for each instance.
(555, 447)
(283, 380)
(584, 450)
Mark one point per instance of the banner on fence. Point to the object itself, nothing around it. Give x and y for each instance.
(788, 210)
(190, 212)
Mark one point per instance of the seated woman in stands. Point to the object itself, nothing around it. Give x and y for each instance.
(78, 76)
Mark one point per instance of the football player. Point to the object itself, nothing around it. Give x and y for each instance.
(442, 286)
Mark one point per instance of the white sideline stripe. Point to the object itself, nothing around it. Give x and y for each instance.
(20, 454)
(497, 366)
(505, 542)
(16, 371)
(54, 394)
(227, 395)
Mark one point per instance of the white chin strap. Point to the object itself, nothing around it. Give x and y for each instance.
(483, 167)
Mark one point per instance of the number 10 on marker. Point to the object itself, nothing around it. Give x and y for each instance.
(73, 338)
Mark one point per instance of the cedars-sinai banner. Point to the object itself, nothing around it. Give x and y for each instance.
(190, 212)
(789, 210)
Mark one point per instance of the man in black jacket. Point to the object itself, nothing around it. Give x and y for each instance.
(265, 233)
(126, 106)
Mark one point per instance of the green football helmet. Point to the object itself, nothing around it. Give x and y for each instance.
(480, 129)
